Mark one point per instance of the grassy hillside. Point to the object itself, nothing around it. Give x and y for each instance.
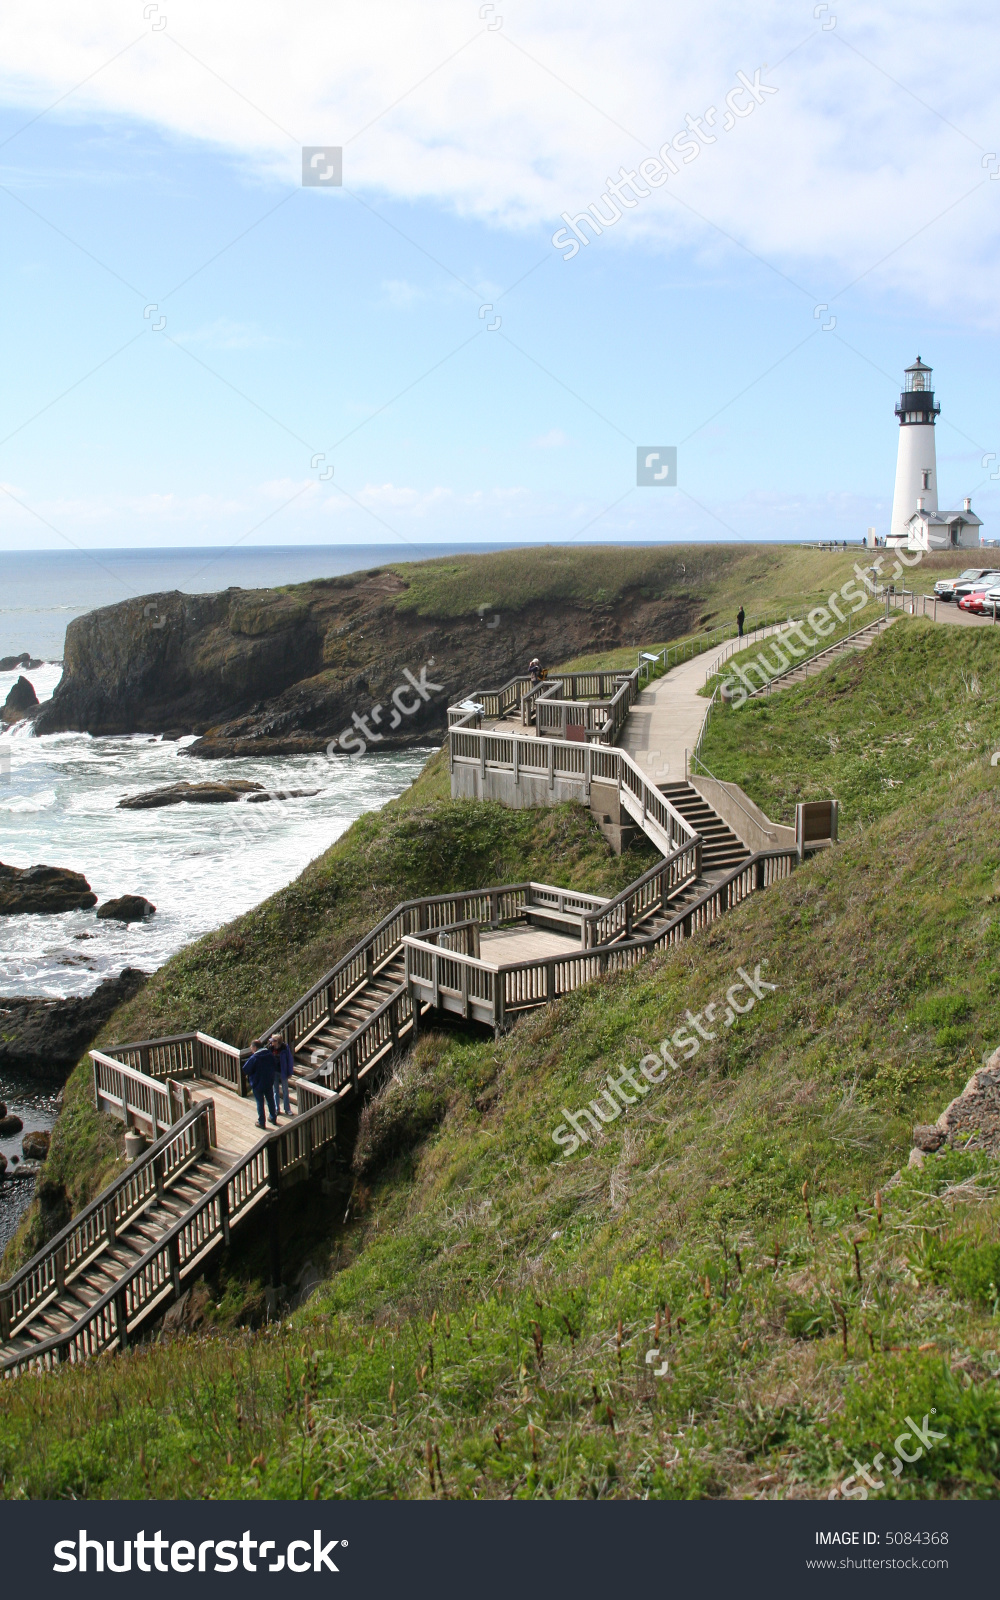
(723, 576)
(486, 1330)
(876, 730)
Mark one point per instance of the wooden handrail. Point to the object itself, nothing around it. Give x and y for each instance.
(357, 956)
(625, 904)
(88, 1232)
(204, 1224)
(753, 873)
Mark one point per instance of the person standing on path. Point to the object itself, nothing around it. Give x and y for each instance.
(284, 1066)
(740, 619)
(259, 1069)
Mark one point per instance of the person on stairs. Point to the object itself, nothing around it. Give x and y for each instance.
(284, 1067)
(259, 1069)
(741, 617)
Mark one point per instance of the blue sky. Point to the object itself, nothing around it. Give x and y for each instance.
(347, 322)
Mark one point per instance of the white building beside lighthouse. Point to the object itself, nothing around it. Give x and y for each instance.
(917, 524)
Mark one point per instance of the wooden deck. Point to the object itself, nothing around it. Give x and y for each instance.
(525, 944)
(235, 1120)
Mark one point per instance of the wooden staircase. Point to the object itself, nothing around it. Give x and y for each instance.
(350, 1017)
(721, 850)
(79, 1292)
(127, 1256)
(861, 640)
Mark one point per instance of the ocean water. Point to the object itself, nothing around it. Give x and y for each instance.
(42, 591)
(199, 865)
(35, 1101)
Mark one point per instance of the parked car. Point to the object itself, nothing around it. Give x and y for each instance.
(966, 586)
(979, 602)
(945, 587)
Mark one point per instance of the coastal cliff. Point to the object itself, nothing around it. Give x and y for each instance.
(288, 670)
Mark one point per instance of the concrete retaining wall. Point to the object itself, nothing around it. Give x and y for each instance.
(738, 812)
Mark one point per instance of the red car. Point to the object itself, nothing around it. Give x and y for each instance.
(978, 603)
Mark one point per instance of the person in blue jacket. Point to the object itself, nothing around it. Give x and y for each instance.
(259, 1069)
(284, 1067)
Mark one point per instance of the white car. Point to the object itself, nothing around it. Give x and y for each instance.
(945, 587)
(963, 586)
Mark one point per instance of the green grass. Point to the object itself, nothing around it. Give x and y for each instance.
(875, 729)
(600, 577)
(488, 1306)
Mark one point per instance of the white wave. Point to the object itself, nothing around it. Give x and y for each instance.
(37, 802)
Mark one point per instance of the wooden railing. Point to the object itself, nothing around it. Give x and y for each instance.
(157, 1277)
(643, 898)
(183, 1055)
(319, 1005)
(135, 1098)
(97, 1225)
(579, 765)
(488, 992)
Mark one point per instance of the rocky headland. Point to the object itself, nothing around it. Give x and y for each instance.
(353, 660)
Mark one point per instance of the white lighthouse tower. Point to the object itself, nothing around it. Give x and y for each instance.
(916, 464)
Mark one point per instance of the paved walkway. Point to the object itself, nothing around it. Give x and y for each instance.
(667, 717)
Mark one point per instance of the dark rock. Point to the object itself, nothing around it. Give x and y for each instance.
(196, 794)
(189, 1313)
(928, 1136)
(35, 662)
(280, 794)
(35, 1146)
(45, 889)
(49, 1036)
(21, 699)
(3, 1163)
(11, 663)
(10, 1125)
(974, 1115)
(127, 908)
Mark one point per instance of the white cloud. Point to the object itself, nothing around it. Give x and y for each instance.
(303, 511)
(224, 334)
(555, 439)
(830, 175)
(401, 294)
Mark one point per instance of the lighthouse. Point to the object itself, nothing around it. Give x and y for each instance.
(916, 463)
(917, 524)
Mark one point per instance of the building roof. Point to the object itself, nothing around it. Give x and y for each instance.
(946, 518)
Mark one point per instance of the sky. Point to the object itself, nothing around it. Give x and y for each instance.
(197, 349)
